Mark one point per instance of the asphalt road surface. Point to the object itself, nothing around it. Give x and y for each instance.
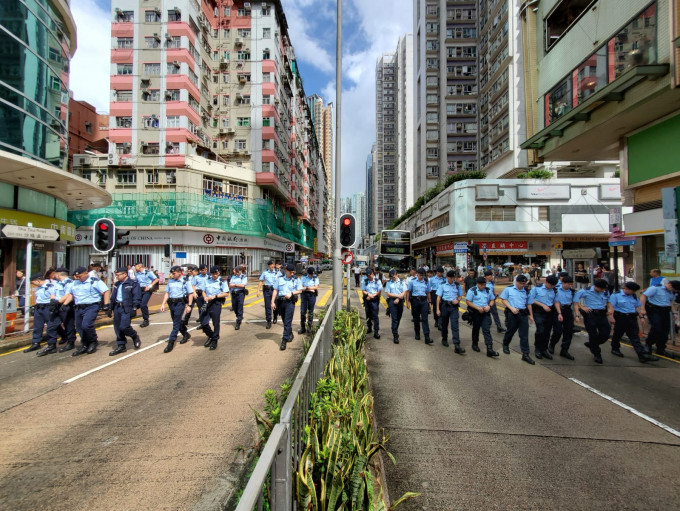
(151, 431)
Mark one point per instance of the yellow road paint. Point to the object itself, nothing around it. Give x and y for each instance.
(325, 297)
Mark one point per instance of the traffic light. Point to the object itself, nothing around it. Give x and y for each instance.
(347, 230)
(473, 248)
(103, 235)
(120, 242)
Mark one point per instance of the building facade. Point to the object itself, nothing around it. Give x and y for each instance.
(370, 192)
(384, 169)
(356, 205)
(87, 130)
(212, 145)
(322, 119)
(38, 40)
(404, 109)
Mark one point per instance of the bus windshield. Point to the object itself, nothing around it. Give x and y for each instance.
(394, 250)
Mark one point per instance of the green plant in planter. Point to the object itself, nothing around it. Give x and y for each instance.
(536, 174)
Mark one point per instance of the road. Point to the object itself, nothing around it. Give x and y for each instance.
(472, 432)
(151, 431)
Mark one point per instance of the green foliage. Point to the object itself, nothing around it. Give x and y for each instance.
(536, 174)
(617, 173)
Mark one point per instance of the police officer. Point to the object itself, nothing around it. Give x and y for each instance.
(395, 289)
(42, 317)
(214, 294)
(287, 288)
(479, 301)
(86, 293)
(192, 273)
(418, 299)
(448, 301)
(491, 286)
(178, 295)
(624, 309)
(62, 288)
(435, 281)
(126, 296)
(310, 289)
(281, 273)
(266, 286)
(517, 317)
(592, 302)
(371, 288)
(148, 282)
(237, 285)
(542, 301)
(563, 326)
(658, 301)
(199, 290)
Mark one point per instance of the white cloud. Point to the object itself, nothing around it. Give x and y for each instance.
(308, 48)
(90, 68)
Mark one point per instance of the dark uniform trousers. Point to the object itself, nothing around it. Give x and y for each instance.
(371, 310)
(267, 292)
(420, 308)
(121, 324)
(544, 323)
(449, 315)
(660, 326)
(176, 313)
(598, 329)
(144, 306)
(494, 315)
(517, 323)
(198, 301)
(435, 316)
(396, 311)
(212, 313)
(85, 315)
(287, 311)
(481, 320)
(357, 279)
(66, 317)
(42, 317)
(307, 304)
(279, 309)
(564, 328)
(238, 297)
(627, 324)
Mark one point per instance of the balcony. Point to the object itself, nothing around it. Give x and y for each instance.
(270, 181)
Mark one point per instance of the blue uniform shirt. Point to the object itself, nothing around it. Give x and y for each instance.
(436, 282)
(371, 286)
(178, 288)
(542, 294)
(395, 287)
(87, 292)
(564, 296)
(200, 281)
(63, 287)
(517, 298)
(624, 303)
(480, 299)
(43, 293)
(215, 287)
(659, 296)
(418, 287)
(269, 277)
(309, 281)
(119, 293)
(238, 279)
(592, 299)
(286, 286)
(490, 286)
(450, 292)
(656, 281)
(145, 278)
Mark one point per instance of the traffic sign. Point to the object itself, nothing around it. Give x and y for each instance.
(622, 242)
(29, 233)
(290, 247)
(582, 253)
(348, 258)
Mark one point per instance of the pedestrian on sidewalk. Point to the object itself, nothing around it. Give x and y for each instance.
(20, 290)
(357, 275)
(310, 290)
(491, 286)
(659, 302)
(563, 326)
(65, 313)
(266, 285)
(148, 283)
(479, 301)
(470, 281)
(435, 281)
(542, 301)
(419, 300)
(87, 293)
(591, 303)
(517, 317)
(449, 294)
(42, 317)
(371, 288)
(214, 294)
(287, 289)
(395, 289)
(237, 285)
(624, 310)
(126, 296)
(178, 296)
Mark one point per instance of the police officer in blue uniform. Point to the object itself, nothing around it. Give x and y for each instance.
(126, 296)
(563, 326)
(287, 289)
(310, 290)
(237, 285)
(148, 283)
(418, 299)
(281, 272)
(395, 289)
(87, 292)
(448, 303)
(42, 317)
(491, 286)
(435, 281)
(178, 296)
(192, 274)
(371, 288)
(214, 294)
(517, 317)
(659, 301)
(65, 314)
(592, 302)
(624, 309)
(266, 286)
(198, 284)
(478, 301)
(542, 302)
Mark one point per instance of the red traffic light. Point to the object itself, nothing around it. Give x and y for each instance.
(103, 226)
(346, 221)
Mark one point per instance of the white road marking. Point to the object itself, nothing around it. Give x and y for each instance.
(629, 408)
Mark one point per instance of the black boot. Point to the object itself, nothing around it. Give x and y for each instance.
(475, 347)
(32, 347)
(213, 344)
(237, 326)
(565, 354)
(168, 348)
(185, 338)
(302, 330)
(526, 358)
(136, 342)
(51, 348)
(457, 348)
(646, 357)
(283, 344)
(506, 349)
(92, 347)
(69, 346)
(120, 349)
(445, 343)
(395, 338)
(269, 325)
(144, 323)
(490, 352)
(551, 349)
(428, 340)
(80, 351)
(207, 342)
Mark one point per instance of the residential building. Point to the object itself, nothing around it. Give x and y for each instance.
(370, 194)
(87, 130)
(404, 93)
(38, 41)
(384, 170)
(322, 120)
(356, 205)
(212, 147)
(607, 77)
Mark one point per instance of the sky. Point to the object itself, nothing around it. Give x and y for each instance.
(370, 28)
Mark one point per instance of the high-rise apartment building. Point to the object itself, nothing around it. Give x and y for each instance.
(356, 205)
(212, 148)
(370, 193)
(322, 120)
(446, 88)
(405, 142)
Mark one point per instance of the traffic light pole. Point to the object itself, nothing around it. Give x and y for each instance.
(337, 258)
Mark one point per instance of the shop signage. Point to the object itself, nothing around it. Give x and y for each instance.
(460, 248)
(65, 229)
(28, 233)
(582, 253)
(529, 192)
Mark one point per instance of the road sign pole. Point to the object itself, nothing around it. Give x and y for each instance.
(337, 258)
(348, 273)
(27, 286)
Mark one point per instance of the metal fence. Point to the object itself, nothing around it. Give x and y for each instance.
(281, 453)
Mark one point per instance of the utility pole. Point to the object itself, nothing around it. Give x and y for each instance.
(337, 258)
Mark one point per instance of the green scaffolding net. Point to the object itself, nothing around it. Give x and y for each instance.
(174, 209)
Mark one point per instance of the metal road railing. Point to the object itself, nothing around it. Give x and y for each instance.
(280, 456)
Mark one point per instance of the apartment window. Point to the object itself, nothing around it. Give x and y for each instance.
(152, 177)
(266, 33)
(227, 11)
(151, 148)
(433, 63)
(562, 18)
(266, 99)
(469, 147)
(243, 55)
(152, 95)
(193, 103)
(211, 184)
(236, 188)
(432, 28)
(175, 42)
(266, 54)
(225, 122)
(432, 10)
(216, 31)
(152, 16)
(126, 177)
(153, 69)
(240, 12)
(124, 69)
(88, 127)
(432, 135)
(432, 117)
(266, 11)
(495, 213)
(123, 95)
(240, 144)
(171, 177)
(432, 171)
(173, 69)
(267, 121)
(125, 42)
(125, 16)
(214, 100)
(225, 100)
(432, 152)
(122, 148)
(174, 15)
(559, 101)
(172, 95)
(150, 122)
(266, 77)
(243, 121)
(245, 100)
(432, 99)
(123, 122)
(172, 148)
(152, 42)
(173, 121)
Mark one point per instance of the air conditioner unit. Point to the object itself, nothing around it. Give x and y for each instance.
(142, 143)
(168, 94)
(276, 101)
(176, 9)
(223, 131)
(81, 161)
(246, 5)
(126, 144)
(224, 61)
(146, 78)
(176, 63)
(242, 79)
(238, 40)
(113, 159)
(153, 116)
(168, 37)
(265, 5)
(229, 130)
(157, 37)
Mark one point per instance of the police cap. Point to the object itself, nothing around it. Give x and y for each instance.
(487, 273)
(203, 267)
(521, 278)
(311, 271)
(393, 272)
(176, 268)
(421, 271)
(62, 269)
(79, 270)
(121, 269)
(568, 279)
(481, 280)
(676, 285)
(450, 273)
(633, 286)
(270, 262)
(601, 283)
(551, 279)
(215, 269)
(562, 274)
(38, 276)
(440, 269)
(369, 271)
(290, 267)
